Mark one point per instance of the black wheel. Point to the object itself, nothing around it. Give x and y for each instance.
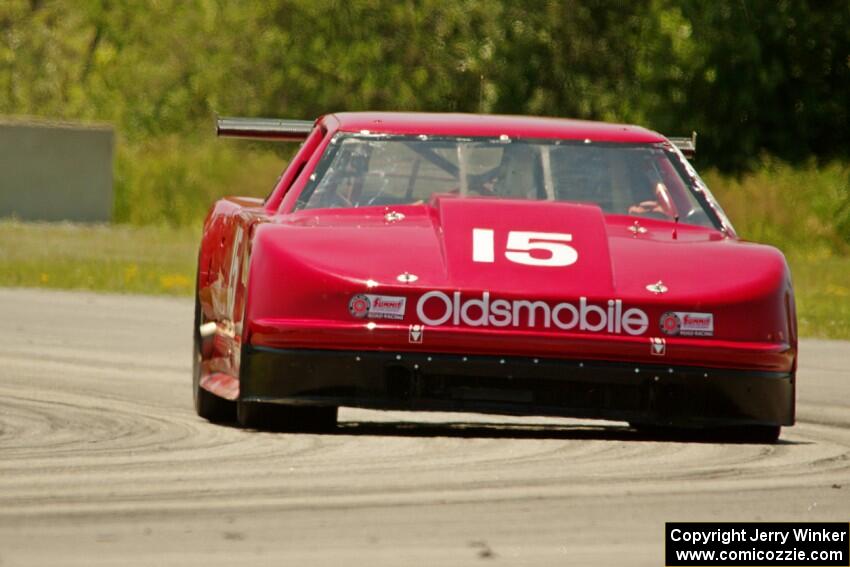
(207, 405)
(277, 417)
(764, 434)
(650, 430)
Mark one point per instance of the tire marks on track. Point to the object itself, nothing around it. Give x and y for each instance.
(88, 437)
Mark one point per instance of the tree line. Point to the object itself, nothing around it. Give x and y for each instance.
(752, 77)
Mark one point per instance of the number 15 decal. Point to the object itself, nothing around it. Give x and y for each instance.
(522, 244)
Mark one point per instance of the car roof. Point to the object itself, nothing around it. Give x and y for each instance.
(491, 125)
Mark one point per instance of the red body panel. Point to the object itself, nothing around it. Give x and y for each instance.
(489, 125)
(284, 279)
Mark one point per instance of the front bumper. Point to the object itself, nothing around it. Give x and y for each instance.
(643, 393)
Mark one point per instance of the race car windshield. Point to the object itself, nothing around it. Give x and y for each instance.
(635, 179)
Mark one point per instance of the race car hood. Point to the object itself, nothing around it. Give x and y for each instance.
(486, 249)
(435, 244)
(614, 254)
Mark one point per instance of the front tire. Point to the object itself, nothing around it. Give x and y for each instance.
(278, 417)
(207, 405)
(757, 434)
(764, 434)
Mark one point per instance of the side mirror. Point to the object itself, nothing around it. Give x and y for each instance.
(688, 146)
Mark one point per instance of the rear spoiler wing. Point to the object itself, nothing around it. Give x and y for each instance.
(271, 129)
(688, 146)
(297, 130)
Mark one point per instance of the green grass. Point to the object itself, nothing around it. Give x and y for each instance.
(802, 210)
(822, 291)
(173, 181)
(120, 258)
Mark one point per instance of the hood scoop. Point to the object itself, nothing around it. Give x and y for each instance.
(530, 248)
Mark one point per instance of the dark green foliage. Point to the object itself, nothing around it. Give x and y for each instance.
(767, 76)
(750, 75)
(753, 77)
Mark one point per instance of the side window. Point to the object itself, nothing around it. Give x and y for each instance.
(298, 170)
(295, 167)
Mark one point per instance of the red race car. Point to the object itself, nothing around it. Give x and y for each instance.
(496, 264)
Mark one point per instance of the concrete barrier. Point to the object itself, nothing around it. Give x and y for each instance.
(55, 171)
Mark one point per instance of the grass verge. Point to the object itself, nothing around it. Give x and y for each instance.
(159, 260)
(822, 290)
(120, 258)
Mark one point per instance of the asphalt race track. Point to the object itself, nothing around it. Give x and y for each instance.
(103, 462)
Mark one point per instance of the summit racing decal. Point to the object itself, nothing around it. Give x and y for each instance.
(366, 306)
(687, 324)
(436, 308)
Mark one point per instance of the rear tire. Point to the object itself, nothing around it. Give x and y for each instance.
(278, 417)
(207, 405)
